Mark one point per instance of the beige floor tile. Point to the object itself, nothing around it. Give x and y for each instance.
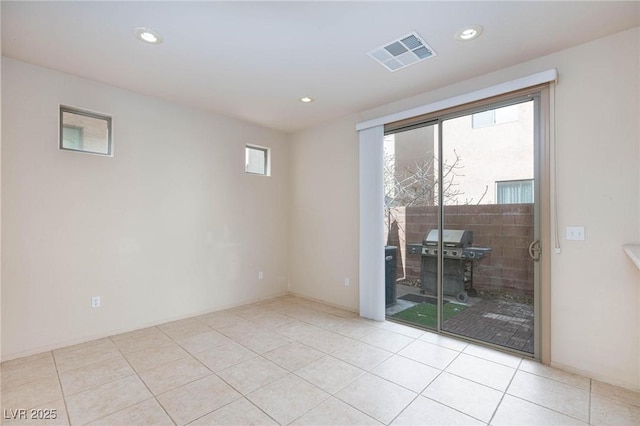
(271, 320)
(107, 399)
(85, 354)
(387, 340)
(250, 311)
(287, 398)
(377, 397)
(139, 340)
(184, 328)
(538, 369)
(479, 370)
(554, 395)
(197, 399)
(252, 374)
(203, 341)
(297, 330)
(313, 304)
(371, 323)
(330, 374)
(444, 341)
(322, 319)
(33, 394)
(220, 319)
(353, 329)
(339, 312)
(407, 373)
(615, 392)
(489, 354)
(277, 304)
(335, 412)
(295, 310)
(515, 411)
(225, 356)
(606, 411)
(239, 412)
(468, 397)
(405, 330)
(263, 341)
(430, 354)
(295, 334)
(362, 355)
(424, 411)
(241, 329)
(326, 341)
(173, 374)
(156, 356)
(92, 375)
(27, 359)
(293, 356)
(79, 346)
(145, 413)
(24, 370)
(52, 413)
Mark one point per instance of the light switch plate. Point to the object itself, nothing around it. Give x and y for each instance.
(575, 233)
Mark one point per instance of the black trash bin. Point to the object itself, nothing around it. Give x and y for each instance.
(390, 258)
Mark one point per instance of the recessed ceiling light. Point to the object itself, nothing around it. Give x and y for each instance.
(469, 33)
(306, 99)
(148, 36)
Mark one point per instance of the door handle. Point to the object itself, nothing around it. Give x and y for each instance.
(535, 250)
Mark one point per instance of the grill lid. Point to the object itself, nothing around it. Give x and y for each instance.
(450, 238)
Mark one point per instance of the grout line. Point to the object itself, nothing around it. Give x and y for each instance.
(145, 385)
(504, 392)
(456, 409)
(64, 399)
(546, 408)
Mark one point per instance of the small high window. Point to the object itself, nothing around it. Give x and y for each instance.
(85, 131)
(256, 160)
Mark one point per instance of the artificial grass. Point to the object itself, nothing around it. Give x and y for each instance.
(426, 313)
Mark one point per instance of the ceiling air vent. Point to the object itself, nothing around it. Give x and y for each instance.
(401, 53)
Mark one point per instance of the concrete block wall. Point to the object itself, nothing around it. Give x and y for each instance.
(505, 228)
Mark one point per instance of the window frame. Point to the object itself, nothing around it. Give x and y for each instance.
(267, 159)
(76, 111)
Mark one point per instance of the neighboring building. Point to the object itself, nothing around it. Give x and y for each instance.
(491, 154)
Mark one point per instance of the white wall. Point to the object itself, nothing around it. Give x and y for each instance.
(324, 213)
(595, 287)
(169, 227)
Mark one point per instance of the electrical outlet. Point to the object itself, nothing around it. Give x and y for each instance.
(261, 275)
(95, 302)
(575, 233)
(346, 282)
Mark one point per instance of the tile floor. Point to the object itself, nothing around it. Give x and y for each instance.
(299, 362)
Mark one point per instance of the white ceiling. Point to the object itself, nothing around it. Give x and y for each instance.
(253, 60)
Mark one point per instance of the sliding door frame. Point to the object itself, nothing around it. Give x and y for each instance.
(540, 95)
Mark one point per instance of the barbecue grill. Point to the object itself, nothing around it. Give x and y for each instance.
(458, 258)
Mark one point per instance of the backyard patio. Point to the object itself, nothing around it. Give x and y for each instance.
(490, 319)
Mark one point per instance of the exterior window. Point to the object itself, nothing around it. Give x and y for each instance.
(495, 116)
(514, 191)
(84, 131)
(256, 160)
(72, 137)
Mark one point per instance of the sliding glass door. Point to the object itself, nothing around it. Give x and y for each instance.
(461, 208)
